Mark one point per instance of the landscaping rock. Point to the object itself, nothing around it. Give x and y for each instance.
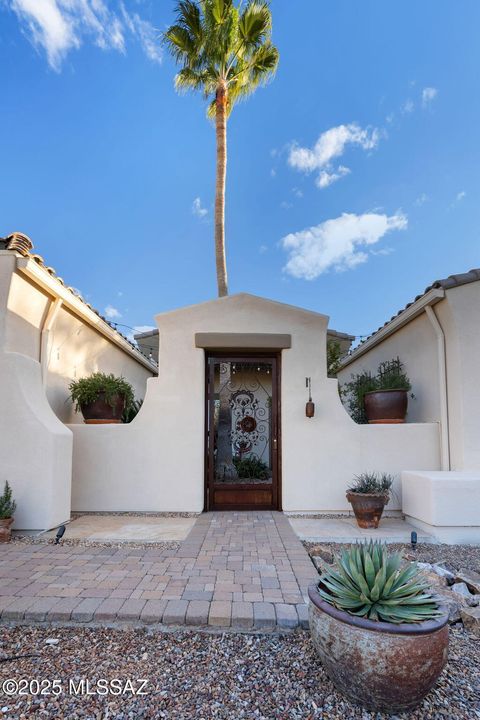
(471, 619)
(439, 570)
(433, 579)
(460, 588)
(470, 578)
(453, 602)
(325, 553)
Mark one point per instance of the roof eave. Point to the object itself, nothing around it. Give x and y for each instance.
(41, 277)
(410, 313)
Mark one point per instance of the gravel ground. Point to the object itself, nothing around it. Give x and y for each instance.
(458, 556)
(206, 676)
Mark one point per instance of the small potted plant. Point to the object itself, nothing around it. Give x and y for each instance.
(380, 633)
(368, 494)
(7, 511)
(102, 398)
(388, 401)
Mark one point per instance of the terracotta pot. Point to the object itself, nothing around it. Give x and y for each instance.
(368, 507)
(5, 529)
(380, 666)
(386, 406)
(100, 411)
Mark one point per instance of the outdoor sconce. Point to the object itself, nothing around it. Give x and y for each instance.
(310, 406)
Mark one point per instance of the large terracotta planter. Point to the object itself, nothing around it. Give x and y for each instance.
(368, 508)
(386, 406)
(100, 411)
(5, 529)
(380, 666)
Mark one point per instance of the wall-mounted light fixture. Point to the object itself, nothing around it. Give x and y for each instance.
(310, 406)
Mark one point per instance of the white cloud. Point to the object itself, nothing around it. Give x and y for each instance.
(297, 192)
(338, 244)
(460, 195)
(59, 26)
(408, 107)
(327, 178)
(330, 145)
(111, 312)
(263, 249)
(428, 96)
(197, 208)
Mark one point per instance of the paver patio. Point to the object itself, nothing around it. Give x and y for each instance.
(235, 569)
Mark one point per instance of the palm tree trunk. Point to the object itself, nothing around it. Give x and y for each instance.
(221, 131)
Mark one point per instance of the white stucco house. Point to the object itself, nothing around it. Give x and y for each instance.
(437, 337)
(222, 426)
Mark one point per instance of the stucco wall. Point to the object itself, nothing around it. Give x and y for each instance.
(463, 364)
(415, 345)
(35, 447)
(74, 350)
(157, 462)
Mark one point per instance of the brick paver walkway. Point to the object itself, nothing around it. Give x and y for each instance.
(242, 570)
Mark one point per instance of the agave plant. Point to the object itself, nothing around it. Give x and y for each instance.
(369, 582)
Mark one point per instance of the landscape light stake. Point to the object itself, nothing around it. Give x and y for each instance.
(413, 539)
(60, 534)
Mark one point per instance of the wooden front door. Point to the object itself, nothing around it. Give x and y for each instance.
(242, 445)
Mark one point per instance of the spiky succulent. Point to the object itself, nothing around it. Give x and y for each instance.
(368, 581)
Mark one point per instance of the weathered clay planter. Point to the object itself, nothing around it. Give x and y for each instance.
(368, 508)
(386, 406)
(378, 665)
(100, 411)
(5, 529)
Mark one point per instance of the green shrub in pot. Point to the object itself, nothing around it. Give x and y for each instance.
(368, 582)
(7, 511)
(378, 629)
(368, 494)
(102, 397)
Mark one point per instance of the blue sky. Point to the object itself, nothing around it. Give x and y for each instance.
(352, 181)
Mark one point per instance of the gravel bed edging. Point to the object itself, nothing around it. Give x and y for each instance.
(206, 676)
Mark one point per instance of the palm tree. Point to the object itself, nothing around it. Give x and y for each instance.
(226, 52)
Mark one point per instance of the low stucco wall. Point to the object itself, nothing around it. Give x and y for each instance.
(444, 504)
(157, 462)
(35, 447)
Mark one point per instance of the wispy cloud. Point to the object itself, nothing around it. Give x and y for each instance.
(59, 26)
(326, 178)
(112, 313)
(458, 199)
(197, 208)
(421, 200)
(428, 96)
(408, 107)
(338, 244)
(146, 34)
(331, 145)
